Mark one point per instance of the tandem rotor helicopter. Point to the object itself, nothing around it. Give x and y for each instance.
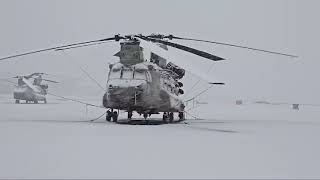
(141, 82)
(31, 91)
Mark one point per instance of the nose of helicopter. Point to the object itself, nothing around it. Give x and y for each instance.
(123, 94)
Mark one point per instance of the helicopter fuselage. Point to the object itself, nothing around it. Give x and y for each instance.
(30, 92)
(141, 85)
(144, 88)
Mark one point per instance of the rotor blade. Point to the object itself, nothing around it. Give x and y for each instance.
(150, 47)
(217, 83)
(80, 46)
(50, 80)
(182, 47)
(233, 45)
(29, 84)
(35, 74)
(57, 47)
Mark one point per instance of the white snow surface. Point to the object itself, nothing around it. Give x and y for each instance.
(55, 140)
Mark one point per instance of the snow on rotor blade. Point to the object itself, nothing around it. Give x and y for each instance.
(151, 47)
(29, 84)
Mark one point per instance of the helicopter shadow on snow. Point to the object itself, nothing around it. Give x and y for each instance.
(133, 123)
(188, 123)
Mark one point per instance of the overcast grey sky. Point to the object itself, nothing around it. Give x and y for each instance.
(287, 26)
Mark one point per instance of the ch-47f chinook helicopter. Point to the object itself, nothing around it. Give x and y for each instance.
(31, 89)
(145, 83)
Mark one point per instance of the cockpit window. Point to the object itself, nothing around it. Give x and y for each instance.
(128, 73)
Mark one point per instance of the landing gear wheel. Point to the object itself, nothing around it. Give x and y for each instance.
(171, 117)
(165, 117)
(108, 115)
(45, 101)
(181, 116)
(115, 116)
(129, 115)
(17, 101)
(145, 116)
(36, 101)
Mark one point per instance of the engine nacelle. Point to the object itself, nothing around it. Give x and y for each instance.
(176, 69)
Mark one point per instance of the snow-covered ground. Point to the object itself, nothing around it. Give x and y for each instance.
(56, 140)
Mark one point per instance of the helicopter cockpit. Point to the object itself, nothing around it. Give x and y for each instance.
(136, 72)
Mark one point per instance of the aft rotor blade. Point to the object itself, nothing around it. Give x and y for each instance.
(233, 45)
(50, 80)
(57, 47)
(182, 47)
(217, 83)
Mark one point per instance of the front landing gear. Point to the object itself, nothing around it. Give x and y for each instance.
(108, 116)
(115, 116)
(112, 115)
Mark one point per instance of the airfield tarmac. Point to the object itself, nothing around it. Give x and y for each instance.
(55, 140)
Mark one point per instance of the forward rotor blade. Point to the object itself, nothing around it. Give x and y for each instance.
(80, 46)
(233, 45)
(57, 47)
(182, 47)
(30, 85)
(50, 80)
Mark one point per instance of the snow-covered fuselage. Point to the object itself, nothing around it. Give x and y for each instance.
(29, 92)
(142, 86)
(26, 93)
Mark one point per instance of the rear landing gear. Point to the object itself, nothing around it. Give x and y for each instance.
(145, 116)
(17, 101)
(181, 116)
(129, 115)
(165, 117)
(45, 101)
(171, 117)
